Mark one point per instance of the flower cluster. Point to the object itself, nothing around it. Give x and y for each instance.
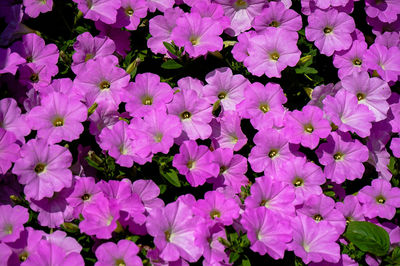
(146, 164)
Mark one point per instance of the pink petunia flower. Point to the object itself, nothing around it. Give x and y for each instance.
(123, 253)
(130, 13)
(9, 61)
(351, 209)
(12, 220)
(11, 119)
(103, 10)
(385, 10)
(384, 61)
(161, 5)
(33, 7)
(9, 150)
(351, 61)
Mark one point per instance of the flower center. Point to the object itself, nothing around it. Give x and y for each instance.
(29, 59)
(104, 85)
(158, 137)
(274, 56)
(234, 139)
(357, 62)
(298, 182)
(147, 100)
(241, 4)
(186, 115)
(274, 23)
(380, 200)
(360, 96)
(86, 197)
(120, 262)
(88, 57)
(34, 78)
(190, 164)
(194, 40)
(39, 168)
(264, 203)
(222, 169)
(123, 150)
(318, 217)
(109, 220)
(272, 153)
(167, 235)
(58, 122)
(222, 95)
(8, 229)
(328, 30)
(264, 107)
(129, 11)
(23, 256)
(338, 156)
(308, 128)
(214, 214)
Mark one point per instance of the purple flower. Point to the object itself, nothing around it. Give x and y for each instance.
(102, 82)
(240, 50)
(173, 228)
(11, 119)
(130, 13)
(122, 253)
(104, 116)
(198, 35)
(276, 15)
(380, 199)
(388, 39)
(314, 242)
(26, 245)
(9, 150)
(372, 92)
(319, 93)
(9, 61)
(88, 47)
(145, 94)
(160, 28)
(226, 87)
(350, 208)
(148, 192)
(267, 232)
(208, 238)
(345, 112)
(120, 37)
(395, 147)
(262, 104)
(12, 220)
(33, 7)
(59, 117)
(217, 208)
(271, 51)
(161, 5)
(102, 10)
(212, 10)
(100, 218)
(305, 177)
(306, 127)
(384, 61)
(36, 76)
(43, 169)
(342, 157)
(274, 195)
(386, 10)
(195, 162)
(351, 61)
(227, 132)
(194, 113)
(330, 30)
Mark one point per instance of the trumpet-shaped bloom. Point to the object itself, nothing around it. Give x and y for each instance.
(9, 61)
(43, 169)
(12, 220)
(33, 7)
(103, 10)
(122, 253)
(384, 61)
(9, 150)
(130, 13)
(351, 61)
(11, 119)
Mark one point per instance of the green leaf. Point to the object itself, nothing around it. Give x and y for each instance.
(233, 257)
(396, 256)
(306, 70)
(246, 262)
(171, 64)
(392, 166)
(368, 237)
(170, 48)
(171, 176)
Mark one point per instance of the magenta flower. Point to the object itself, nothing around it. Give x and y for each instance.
(148, 193)
(194, 113)
(160, 28)
(36, 76)
(240, 50)
(262, 104)
(173, 228)
(195, 162)
(226, 87)
(208, 238)
(241, 13)
(161, 5)
(322, 208)
(351, 209)
(395, 147)
(198, 35)
(345, 112)
(274, 195)
(33, 7)
(271, 51)
(59, 117)
(386, 10)
(306, 127)
(372, 92)
(276, 15)
(130, 13)
(267, 232)
(384, 61)
(212, 10)
(102, 82)
(43, 169)
(11, 119)
(330, 30)
(9, 61)
(102, 10)
(227, 132)
(388, 39)
(320, 92)
(120, 37)
(351, 61)
(305, 177)
(9, 150)
(12, 220)
(100, 218)
(217, 208)
(232, 168)
(380, 199)
(88, 47)
(104, 116)
(145, 94)
(155, 132)
(342, 157)
(122, 253)
(314, 242)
